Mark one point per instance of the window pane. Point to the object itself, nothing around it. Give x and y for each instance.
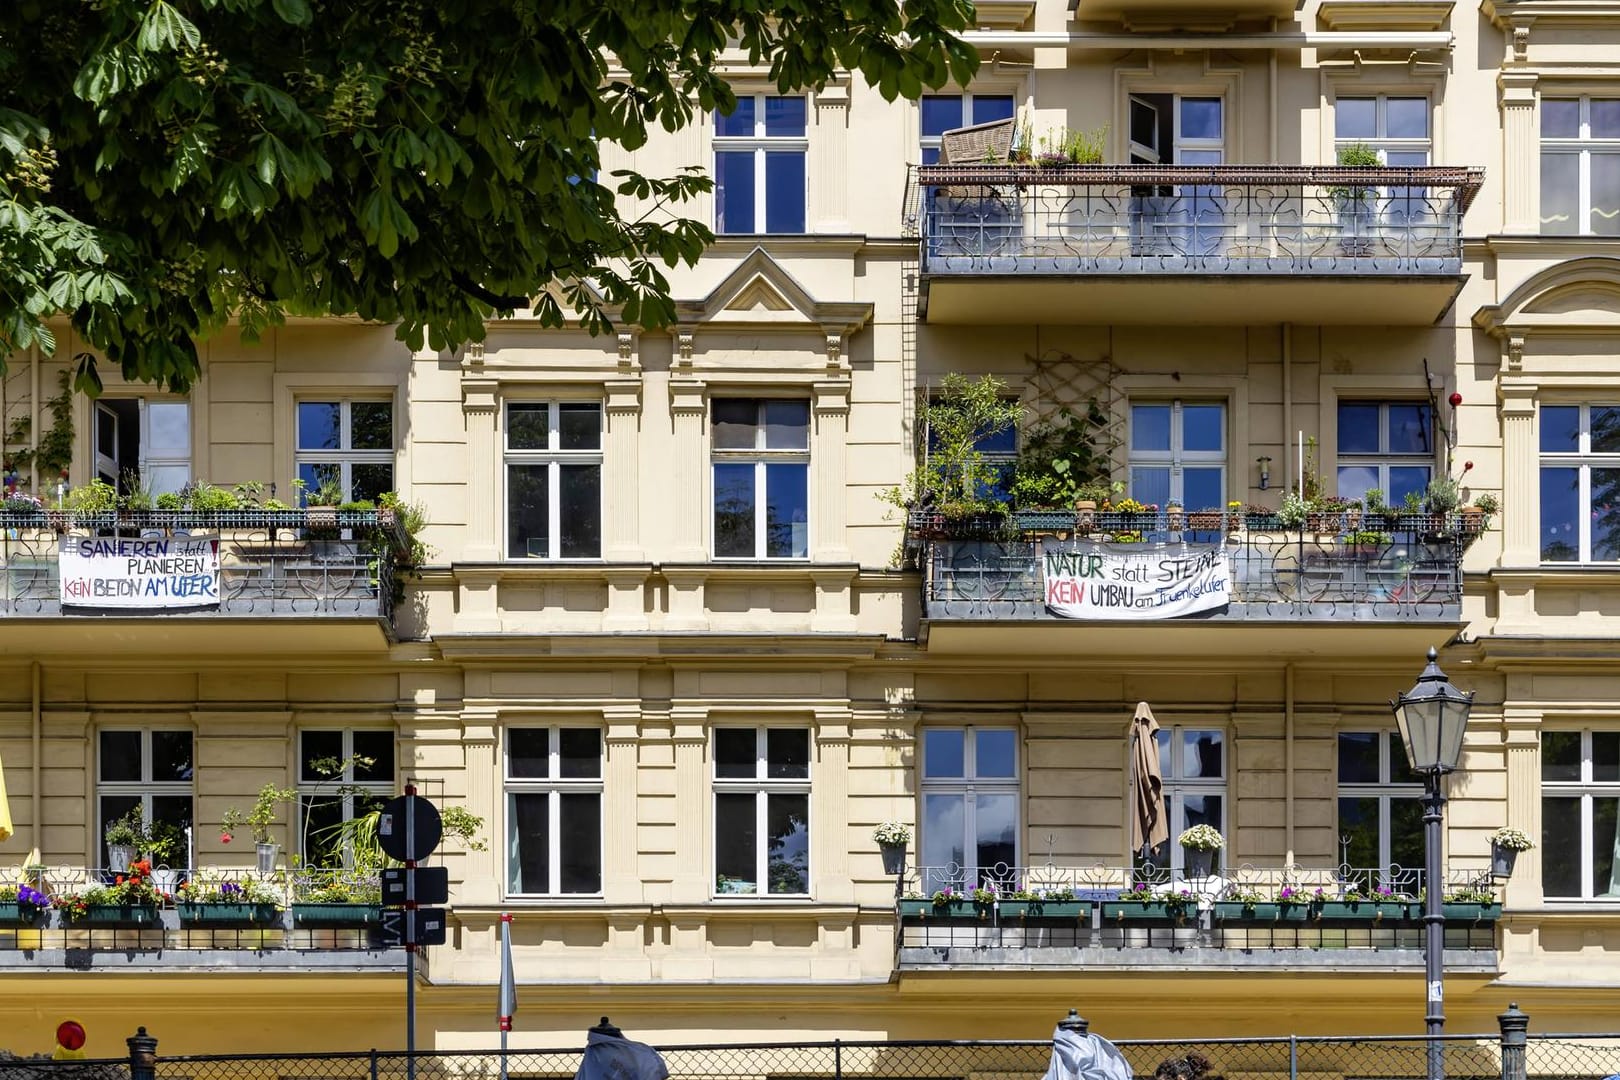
(527, 426)
(787, 753)
(939, 113)
(1406, 118)
(1560, 193)
(787, 817)
(1604, 429)
(1560, 755)
(1605, 757)
(995, 753)
(1405, 478)
(1354, 480)
(1605, 515)
(787, 511)
(371, 425)
(579, 426)
(1204, 810)
(741, 120)
(992, 107)
(1200, 118)
(369, 480)
(580, 835)
(1560, 118)
(1560, 846)
(1151, 485)
(579, 753)
(163, 479)
(318, 475)
(784, 191)
(580, 510)
(735, 422)
(319, 754)
(1203, 489)
(734, 510)
(120, 755)
(1605, 116)
(1560, 429)
(1358, 427)
(319, 819)
(943, 755)
(787, 425)
(1605, 194)
(1203, 427)
(1144, 123)
(1150, 427)
(736, 844)
(1356, 118)
(784, 117)
(113, 808)
(374, 757)
(942, 834)
(168, 425)
(1400, 769)
(1409, 428)
(530, 842)
(1605, 837)
(171, 756)
(1560, 509)
(998, 442)
(734, 192)
(319, 425)
(528, 753)
(1406, 832)
(1201, 754)
(1358, 832)
(527, 511)
(736, 753)
(1358, 757)
(995, 821)
(172, 813)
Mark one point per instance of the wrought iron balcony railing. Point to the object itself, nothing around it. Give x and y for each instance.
(1190, 219)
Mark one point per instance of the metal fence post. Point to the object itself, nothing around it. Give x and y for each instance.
(1515, 1027)
(838, 1059)
(1293, 1057)
(142, 1055)
(373, 1063)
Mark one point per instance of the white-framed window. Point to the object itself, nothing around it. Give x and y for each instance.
(1178, 452)
(150, 769)
(143, 440)
(343, 774)
(553, 480)
(348, 442)
(1395, 125)
(1388, 445)
(1580, 815)
(939, 113)
(1192, 763)
(1380, 803)
(1580, 166)
(762, 811)
(761, 469)
(1175, 129)
(1580, 483)
(553, 811)
(759, 165)
(970, 807)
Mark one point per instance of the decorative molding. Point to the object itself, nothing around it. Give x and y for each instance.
(683, 344)
(1570, 299)
(478, 395)
(1372, 15)
(1515, 352)
(628, 341)
(1003, 14)
(475, 353)
(760, 294)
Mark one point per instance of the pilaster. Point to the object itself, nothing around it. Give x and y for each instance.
(829, 161)
(621, 872)
(830, 458)
(829, 810)
(478, 408)
(481, 886)
(686, 610)
(688, 406)
(693, 883)
(1521, 489)
(1522, 737)
(621, 470)
(478, 607)
(1521, 157)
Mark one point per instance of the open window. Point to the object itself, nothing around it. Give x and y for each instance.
(143, 442)
(1170, 129)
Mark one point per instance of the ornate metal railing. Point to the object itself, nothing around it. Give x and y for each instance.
(1407, 566)
(270, 562)
(1100, 880)
(1190, 219)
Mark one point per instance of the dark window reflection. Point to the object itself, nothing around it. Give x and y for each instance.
(736, 753)
(1358, 757)
(580, 753)
(1560, 848)
(528, 753)
(120, 756)
(581, 826)
(531, 843)
(171, 756)
(1560, 755)
(788, 858)
(736, 844)
(734, 510)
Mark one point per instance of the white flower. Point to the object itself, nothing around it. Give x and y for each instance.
(892, 832)
(1201, 838)
(1511, 839)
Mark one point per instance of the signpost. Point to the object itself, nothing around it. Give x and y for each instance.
(408, 829)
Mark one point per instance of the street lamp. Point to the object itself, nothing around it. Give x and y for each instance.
(1432, 717)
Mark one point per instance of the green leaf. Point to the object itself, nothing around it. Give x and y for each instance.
(165, 28)
(295, 12)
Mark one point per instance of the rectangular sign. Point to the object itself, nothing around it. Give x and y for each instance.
(166, 573)
(419, 926)
(1144, 581)
(432, 884)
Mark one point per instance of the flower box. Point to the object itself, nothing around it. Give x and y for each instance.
(336, 914)
(13, 913)
(208, 914)
(1361, 911)
(1148, 911)
(1469, 911)
(1238, 911)
(118, 915)
(963, 909)
(1045, 910)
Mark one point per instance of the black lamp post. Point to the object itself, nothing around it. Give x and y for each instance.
(1432, 717)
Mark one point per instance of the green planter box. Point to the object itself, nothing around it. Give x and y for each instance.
(1148, 911)
(14, 914)
(1045, 910)
(336, 914)
(1237, 911)
(227, 914)
(956, 910)
(1365, 911)
(118, 915)
(1469, 911)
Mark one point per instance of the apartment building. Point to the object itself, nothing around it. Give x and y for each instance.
(676, 651)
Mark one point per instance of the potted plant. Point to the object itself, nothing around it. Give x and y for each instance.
(1443, 496)
(1506, 844)
(217, 900)
(1379, 905)
(1355, 202)
(131, 900)
(1143, 904)
(1199, 845)
(336, 898)
(1294, 511)
(93, 504)
(1470, 905)
(1175, 515)
(1247, 904)
(163, 843)
(123, 838)
(1477, 515)
(948, 903)
(954, 483)
(260, 819)
(1044, 905)
(22, 508)
(22, 905)
(892, 838)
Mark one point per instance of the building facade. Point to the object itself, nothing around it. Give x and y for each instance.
(678, 653)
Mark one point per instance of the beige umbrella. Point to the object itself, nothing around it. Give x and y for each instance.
(1148, 825)
(5, 808)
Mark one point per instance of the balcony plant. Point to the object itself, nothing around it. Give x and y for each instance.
(1477, 514)
(22, 904)
(216, 900)
(335, 898)
(1061, 458)
(955, 484)
(1470, 905)
(892, 838)
(1142, 903)
(1044, 905)
(1380, 905)
(1199, 845)
(949, 903)
(131, 900)
(1506, 843)
(261, 818)
(124, 837)
(22, 508)
(1247, 904)
(164, 846)
(1354, 203)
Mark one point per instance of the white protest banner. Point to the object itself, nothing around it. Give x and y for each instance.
(112, 572)
(1147, 581)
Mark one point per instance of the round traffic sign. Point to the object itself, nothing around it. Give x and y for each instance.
(413, 817)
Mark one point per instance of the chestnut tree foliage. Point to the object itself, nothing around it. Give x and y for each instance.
(168, 165)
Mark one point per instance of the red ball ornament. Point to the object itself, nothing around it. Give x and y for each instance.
(225, 838)
(1456, 399)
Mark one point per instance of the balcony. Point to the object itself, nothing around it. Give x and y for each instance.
(159, 580)
(1062, 583)
(1253, 918)
(1244, 244)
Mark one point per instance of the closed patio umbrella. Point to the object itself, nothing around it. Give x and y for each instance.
(5, 808)
(1149, 828)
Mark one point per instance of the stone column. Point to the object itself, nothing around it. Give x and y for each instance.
(1521, 486)
(829, 161)
(693, 883)
(1521, 153)
(1522, 741)
(829, 457)
(621, 872)
(688, 404)
(480, 885)
(829, 809)
(478, 405)
(621, 471)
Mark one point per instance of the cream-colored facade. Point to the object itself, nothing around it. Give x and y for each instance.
(664, 644)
